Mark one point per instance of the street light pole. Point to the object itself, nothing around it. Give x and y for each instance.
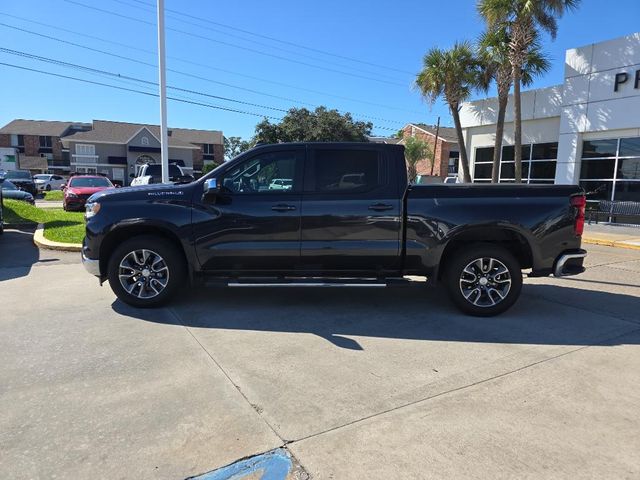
(164, 137)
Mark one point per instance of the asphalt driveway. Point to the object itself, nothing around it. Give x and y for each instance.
(355, 383)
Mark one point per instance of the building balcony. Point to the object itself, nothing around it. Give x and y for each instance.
(78, 159)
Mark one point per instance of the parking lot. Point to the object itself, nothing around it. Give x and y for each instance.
(356, 383)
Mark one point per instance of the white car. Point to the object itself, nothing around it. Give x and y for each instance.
(47, 182)
(281, 184)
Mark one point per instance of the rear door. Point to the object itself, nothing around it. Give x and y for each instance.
(253, 225)
(351, 207)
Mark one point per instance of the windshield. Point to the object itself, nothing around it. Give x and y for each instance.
(42, 177)
(90, 182)
(19, 174)
(156, 171)
(7, 185)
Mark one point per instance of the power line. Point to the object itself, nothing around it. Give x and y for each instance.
(145, 82)
(126, 77)
(198, 77)
(253, 50)
(274, 39)
(207, 26)
(201, 65)
(149, 94)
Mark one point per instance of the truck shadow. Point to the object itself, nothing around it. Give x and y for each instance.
(545, 315)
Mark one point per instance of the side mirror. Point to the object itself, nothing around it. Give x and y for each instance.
(211, 189)
(63, 186)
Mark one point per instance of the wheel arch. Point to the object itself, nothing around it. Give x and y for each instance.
(510, 238)
(119, 234)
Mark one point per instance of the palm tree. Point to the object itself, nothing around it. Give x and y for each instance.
(451, 74)
(523, 20)
(415, 149)
(493, 53)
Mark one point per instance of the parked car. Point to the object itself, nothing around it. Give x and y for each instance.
(23, 180)
(451, 180)
(81, 187)
(10, 190)
(148, 174)
(281, 184)
(476, 239)
(46, 182)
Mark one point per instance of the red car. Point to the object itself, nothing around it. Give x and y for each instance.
(81, 187)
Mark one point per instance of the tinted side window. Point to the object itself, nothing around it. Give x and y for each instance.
(266, 173)
(346, 171)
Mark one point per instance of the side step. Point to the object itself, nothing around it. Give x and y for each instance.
(308, 282)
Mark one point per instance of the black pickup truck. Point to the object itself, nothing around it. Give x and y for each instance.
(331, 214)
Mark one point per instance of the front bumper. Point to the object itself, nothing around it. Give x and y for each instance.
(569, 263)
(91, 266)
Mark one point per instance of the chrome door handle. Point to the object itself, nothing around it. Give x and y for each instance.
(379, 207)
(283, 208)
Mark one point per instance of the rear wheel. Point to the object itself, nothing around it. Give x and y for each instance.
(146, 271)
(483, 279)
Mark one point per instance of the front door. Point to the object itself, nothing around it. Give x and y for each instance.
(351, 211)
(254, 223)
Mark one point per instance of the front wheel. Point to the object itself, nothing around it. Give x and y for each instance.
(146, 271)
(48, 188)
(483, 280)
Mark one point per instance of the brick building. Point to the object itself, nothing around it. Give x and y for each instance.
(39, 143)
(446, 148)
(106, 146)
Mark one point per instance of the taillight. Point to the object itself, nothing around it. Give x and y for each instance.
(580, 202)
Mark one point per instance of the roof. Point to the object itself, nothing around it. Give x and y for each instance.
(446, 133)
(39, 127)
(391, 140)
(121, 132)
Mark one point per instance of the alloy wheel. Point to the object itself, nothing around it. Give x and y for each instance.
(143, 273)
(485, 282)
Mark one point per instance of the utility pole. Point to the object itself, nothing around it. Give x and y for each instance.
(164, 137)
(435, 147)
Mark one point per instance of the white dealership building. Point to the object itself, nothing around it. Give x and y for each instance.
(585, 131)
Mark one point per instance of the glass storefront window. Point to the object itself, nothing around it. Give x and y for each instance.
(484, 155)
(630, 147)
(483, 171)
(617, 163)
(627, 191)
(544, 151)
(508, 153)
(598, 168)
(599, 148)
(629, 169)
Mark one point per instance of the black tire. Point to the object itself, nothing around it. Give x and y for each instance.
(48, 188)
(483, 280)
(141, 287)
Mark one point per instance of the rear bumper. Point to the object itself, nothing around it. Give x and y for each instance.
(569, 263)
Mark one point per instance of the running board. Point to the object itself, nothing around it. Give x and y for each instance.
(315, 282)
(307, 284)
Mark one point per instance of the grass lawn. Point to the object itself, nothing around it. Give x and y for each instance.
(53, 196)
(59, 226)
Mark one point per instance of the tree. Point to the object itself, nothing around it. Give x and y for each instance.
(234, 146)
(493, 54)
(321, 125)
(415, 149)
(523, 20)
(452, 74)
(207, 167)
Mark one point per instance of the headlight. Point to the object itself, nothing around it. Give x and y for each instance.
(91, 209)
(71, 195)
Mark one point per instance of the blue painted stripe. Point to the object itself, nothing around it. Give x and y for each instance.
(275, 465)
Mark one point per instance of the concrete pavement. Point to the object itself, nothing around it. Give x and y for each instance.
(355, 383)
(612, 235)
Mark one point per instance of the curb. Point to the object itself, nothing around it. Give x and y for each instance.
(41, 242)
(612, 243)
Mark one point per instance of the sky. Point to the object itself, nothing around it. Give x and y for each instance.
(250, 58)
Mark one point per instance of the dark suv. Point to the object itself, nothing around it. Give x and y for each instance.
(23, 180)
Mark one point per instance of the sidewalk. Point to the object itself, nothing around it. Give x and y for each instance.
(612, 235)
